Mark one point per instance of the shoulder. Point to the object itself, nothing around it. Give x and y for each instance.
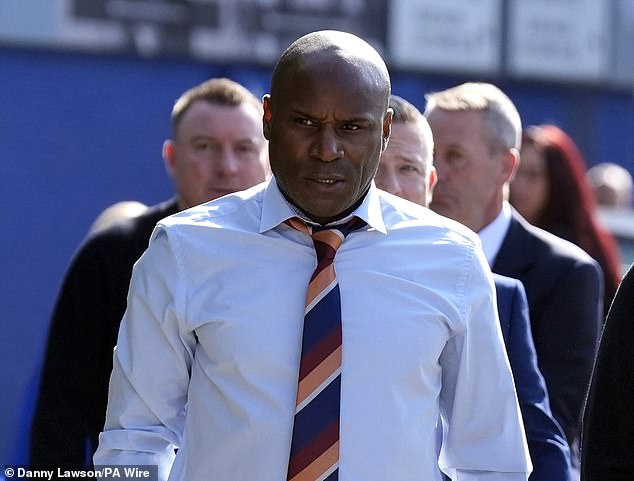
(505, 283)
(133, 229)
(240, 211)
(119, 245)
(444, 250)
(510, 292)
(623, 302)
(549, 247)
(405, 217)
(547, 264)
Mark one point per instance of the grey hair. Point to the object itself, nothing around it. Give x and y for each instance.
(500, 114)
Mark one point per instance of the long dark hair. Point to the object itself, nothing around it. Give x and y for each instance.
(571, 210)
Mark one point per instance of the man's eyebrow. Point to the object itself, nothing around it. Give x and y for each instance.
(410, 159)
(359, 119)
(300, 113)
(456, 145)
(353, 119)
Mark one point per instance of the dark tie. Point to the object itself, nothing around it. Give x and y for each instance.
(315, 444)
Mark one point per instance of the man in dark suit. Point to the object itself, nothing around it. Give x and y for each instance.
(406, 170)
(565, 312)
(217, 147)
(477, 132)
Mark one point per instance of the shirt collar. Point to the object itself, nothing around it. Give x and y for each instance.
(276, 209)
(493, 234)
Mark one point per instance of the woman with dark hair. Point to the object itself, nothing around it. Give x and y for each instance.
(551, 191)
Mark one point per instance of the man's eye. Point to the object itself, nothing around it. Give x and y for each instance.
(350, 127)
(455, 158)
(410, 169)
(304, 121)
(246, 148)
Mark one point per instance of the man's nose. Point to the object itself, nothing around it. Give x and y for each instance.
(328, 146)
(227, 162)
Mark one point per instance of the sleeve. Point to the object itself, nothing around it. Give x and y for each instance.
(608, 421)
(71, 401)
(577, 300)
(483, 435)
(548, 448)
(151, 368)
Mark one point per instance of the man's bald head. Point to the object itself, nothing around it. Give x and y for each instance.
(332, 47)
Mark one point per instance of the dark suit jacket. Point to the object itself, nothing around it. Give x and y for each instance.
(608, 422)
(71, 406)
(564, 287)
(546, 442)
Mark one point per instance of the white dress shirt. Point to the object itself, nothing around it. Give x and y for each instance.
(493, 235)
(208, 352)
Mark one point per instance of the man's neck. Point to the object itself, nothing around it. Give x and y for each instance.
(301, 213)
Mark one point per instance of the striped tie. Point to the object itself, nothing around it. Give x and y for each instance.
(315, 443)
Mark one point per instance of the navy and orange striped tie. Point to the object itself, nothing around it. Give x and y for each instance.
(315, 443)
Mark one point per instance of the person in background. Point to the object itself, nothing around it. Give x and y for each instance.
(217, 147)
(218, 329)
(551, 192)
(608, 420)
(406, 170)
(612, 185)
(477, 134)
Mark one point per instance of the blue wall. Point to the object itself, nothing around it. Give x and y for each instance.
(80, 132)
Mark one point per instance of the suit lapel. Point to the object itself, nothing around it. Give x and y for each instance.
(517, 252)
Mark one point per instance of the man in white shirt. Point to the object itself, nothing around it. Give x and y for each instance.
(209, 349)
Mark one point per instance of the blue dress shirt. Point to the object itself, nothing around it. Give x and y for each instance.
(208, 351)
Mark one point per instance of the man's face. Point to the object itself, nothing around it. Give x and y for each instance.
(217, 150)
(326, 130)
(403, 169)
(470, 177)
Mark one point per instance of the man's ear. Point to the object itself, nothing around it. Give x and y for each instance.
(169, 156)
(433, 178)
(267, 117)
(510, 163)
(387, 128)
